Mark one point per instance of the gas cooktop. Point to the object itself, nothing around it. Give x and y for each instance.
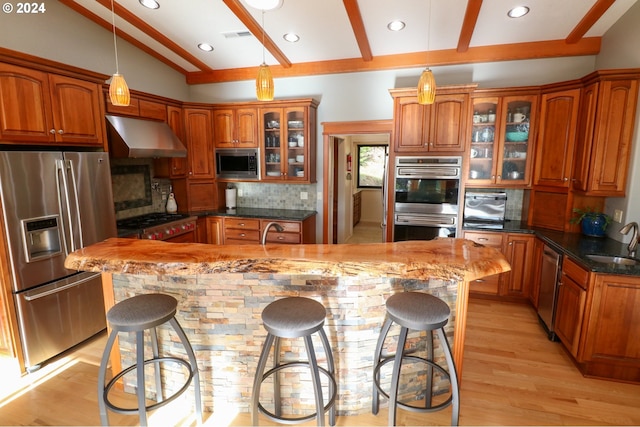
(149, 220)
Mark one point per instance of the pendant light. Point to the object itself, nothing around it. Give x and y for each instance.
(427, 83)
(264, 81)
(118, 89)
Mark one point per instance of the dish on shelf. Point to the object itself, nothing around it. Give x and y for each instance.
(517, 136)
(300, 173)
(296, 124)
(273, 173)
(273, 124)
(508, 167)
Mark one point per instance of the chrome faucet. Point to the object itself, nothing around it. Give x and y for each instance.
(275, 225)
(634, 237)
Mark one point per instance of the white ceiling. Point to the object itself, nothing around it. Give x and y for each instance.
(327, 35)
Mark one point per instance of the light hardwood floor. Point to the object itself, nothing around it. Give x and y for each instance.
(366, 232)
(512, 376)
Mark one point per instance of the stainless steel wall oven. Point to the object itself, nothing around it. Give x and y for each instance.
(427, 197)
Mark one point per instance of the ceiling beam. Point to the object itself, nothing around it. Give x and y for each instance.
(594, 14)
(109, 26)
(252, 25)
(497, 53)
(469, 24)
(355, 17)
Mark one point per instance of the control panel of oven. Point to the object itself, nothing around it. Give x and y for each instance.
(167, 231)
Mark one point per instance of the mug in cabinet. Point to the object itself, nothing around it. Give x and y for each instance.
(474, 152)
(519, 117)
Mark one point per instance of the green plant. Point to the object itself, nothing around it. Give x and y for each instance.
(590, 214)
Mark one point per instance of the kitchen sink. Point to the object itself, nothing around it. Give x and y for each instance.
(609, 259)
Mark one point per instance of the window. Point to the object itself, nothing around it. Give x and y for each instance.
(371, 159)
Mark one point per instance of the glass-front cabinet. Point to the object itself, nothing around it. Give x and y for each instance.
(286, 144)
(502, 140)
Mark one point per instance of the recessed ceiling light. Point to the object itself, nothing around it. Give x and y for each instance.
(151, 4)
(518, 12)
(395, 25)
(264, 4)
(291, 37)
(205, 46)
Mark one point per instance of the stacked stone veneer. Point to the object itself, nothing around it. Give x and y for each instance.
(221, 315)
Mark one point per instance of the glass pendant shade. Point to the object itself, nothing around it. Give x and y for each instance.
(264, 83)
(426, 88)
(119, 91)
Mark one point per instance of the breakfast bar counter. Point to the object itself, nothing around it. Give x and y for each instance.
(222, 290)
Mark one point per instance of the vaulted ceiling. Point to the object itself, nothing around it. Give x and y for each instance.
(338, 36)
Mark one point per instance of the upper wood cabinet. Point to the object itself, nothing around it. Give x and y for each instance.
(557, 136)
(235, 127)
(438, 127)
(199, 137)
(603, 148)
(37, 107)
(503, 130)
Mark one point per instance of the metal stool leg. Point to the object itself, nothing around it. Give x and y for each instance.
(156, 366)
(332, 370)
(142, 404)
(453, 376)
(315, 377)
(102, 398)
(259, 376)
(428, 395)
(375, 401)
(277, 401)
(395, 378)
(194, 366)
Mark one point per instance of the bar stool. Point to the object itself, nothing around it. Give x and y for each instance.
(294, 317)
(138, 314)
(421, 312)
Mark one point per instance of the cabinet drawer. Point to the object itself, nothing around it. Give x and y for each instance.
(288, 227)
(487, 285)
(276, 237)
(238, 234)
(577, 273)
(486, 239)
(242, 223)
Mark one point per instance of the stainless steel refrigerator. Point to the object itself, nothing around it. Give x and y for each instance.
(54, 203)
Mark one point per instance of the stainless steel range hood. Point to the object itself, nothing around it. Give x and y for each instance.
(142, 138)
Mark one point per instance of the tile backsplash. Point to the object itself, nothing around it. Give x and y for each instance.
(276, 196)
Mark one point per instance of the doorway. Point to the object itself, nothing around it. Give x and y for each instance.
(338, 184)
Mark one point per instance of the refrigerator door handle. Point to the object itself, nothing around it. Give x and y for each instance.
(70, 197)
(51, 291)
(63, 206)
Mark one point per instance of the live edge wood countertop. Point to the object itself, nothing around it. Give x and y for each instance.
(449, 259)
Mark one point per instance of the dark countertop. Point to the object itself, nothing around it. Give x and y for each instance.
(576, 246)
(259, 213)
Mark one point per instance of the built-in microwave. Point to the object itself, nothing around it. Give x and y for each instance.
(238, 163)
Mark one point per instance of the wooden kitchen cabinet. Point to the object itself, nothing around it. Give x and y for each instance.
(605, 131)
(235, 127)
(518, 248)
(173, 167)
(215, 233)
(570, 305)
(39, 107)
(199, 137)
(248, 231)
(288, 141)
(502, 133)
(439, 127)
(557, 137)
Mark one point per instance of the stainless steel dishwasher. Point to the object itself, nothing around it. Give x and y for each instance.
(550, 274)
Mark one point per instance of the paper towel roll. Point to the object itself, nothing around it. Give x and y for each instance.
(230, 198)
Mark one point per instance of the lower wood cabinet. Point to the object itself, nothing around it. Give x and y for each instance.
(572, 297)
(248, 231)
(518, 248)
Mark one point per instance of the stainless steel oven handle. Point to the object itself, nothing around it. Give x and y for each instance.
(421, 220)
(427, 172)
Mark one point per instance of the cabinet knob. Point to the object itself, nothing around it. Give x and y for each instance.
(60, 131)
(566, 179)
(242, 235)
(482, 239)
(52, 131)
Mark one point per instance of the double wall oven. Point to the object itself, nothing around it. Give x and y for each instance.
(427, 197)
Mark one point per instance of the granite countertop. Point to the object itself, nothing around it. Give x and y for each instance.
(448, 259)
(260, 213)
(576, 246)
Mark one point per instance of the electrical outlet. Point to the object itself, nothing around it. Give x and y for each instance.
(304, 195)
(319, 195)
(164, 196)
(239, 192)
(617, 215)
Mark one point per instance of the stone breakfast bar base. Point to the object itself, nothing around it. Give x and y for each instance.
(221, 292)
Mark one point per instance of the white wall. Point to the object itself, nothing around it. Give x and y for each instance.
(620, 49)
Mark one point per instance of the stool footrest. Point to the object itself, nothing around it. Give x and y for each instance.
(155, 361)
(408, 407)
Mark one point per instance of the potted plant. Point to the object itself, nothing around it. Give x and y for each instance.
(593, 222)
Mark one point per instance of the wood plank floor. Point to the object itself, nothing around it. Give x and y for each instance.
(512, 376)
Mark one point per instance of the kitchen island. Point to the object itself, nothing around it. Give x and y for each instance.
(222, 291)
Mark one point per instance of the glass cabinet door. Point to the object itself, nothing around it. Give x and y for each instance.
(295, 154)
(515, 159)
(483, 136)
(271, 156)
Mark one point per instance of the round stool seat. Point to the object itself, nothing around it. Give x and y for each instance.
(293, 317)
(418, 311)
(142, 312)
